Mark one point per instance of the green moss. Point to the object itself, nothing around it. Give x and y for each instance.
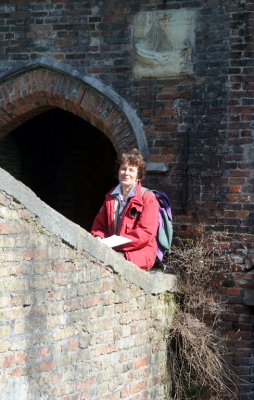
(170, 301)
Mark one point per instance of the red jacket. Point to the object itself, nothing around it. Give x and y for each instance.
(139, 223)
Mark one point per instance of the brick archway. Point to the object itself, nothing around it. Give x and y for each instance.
(40, 85)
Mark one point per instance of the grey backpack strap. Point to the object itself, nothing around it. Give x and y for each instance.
(143, 190)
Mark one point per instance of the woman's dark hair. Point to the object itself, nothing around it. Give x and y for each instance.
(134, 158)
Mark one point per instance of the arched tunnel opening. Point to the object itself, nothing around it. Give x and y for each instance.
(66, 161)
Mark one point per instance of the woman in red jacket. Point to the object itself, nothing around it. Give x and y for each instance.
(126, 212)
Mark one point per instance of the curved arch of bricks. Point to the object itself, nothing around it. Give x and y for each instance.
(35, 87)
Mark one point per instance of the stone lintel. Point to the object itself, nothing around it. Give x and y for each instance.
(157, 168)
(248, 296)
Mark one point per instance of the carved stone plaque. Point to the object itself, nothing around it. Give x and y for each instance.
(163, 43)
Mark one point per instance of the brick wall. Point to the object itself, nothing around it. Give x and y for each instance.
(72, 326)
(202, 124)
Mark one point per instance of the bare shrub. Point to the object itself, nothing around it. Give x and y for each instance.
(197, 350)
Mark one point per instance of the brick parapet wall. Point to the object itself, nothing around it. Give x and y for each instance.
(74, 326)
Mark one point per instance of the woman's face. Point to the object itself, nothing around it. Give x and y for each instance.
(127, 175)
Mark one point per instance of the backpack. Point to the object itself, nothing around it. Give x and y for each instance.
(165, 227)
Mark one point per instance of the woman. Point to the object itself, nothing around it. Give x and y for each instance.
(126, 212)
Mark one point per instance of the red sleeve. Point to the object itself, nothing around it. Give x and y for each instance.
(100, 224)
(146, 227)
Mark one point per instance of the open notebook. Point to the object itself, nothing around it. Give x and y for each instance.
(115, 240)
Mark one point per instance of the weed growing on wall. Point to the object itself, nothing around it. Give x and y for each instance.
(197, 350)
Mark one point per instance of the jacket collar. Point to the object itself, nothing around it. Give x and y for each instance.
(137, 199)
(117, 191)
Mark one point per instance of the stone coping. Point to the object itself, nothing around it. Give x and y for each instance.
(79, 238)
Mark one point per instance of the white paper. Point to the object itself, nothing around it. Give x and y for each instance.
(115, 240)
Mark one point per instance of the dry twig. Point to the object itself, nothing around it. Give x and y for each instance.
(198, 352)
